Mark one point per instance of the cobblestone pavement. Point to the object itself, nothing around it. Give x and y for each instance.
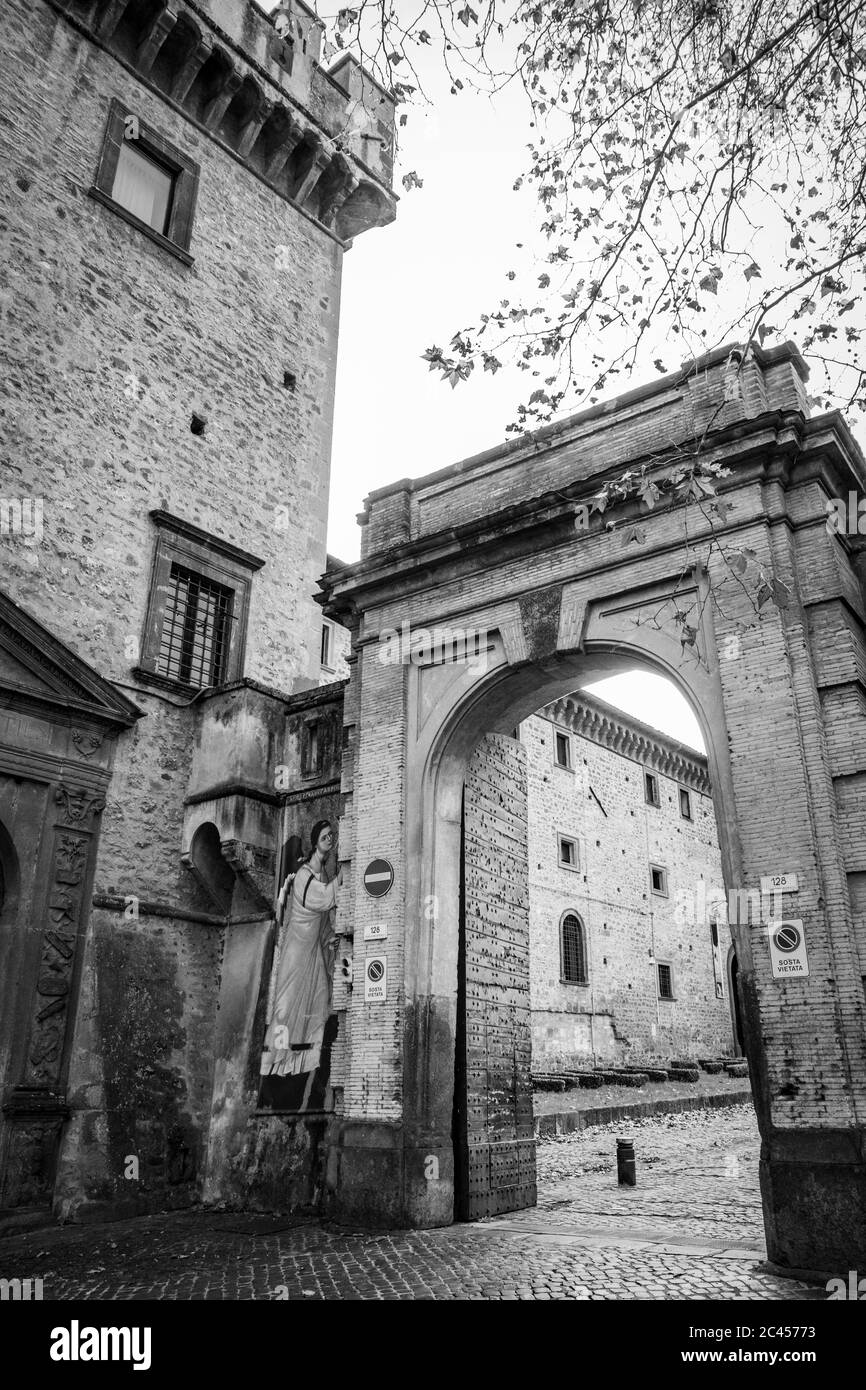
(691, 1229)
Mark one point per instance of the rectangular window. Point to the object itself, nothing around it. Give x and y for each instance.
(194, 640)
(195, 629)
(568, 858)
(666, 981)
(685, 804)
(147, 181)
(311, 751)
(562, 749)
(659, 880)
(651, 789)
(326, 645)
(143, 186)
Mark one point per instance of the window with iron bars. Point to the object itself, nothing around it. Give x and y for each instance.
(666, 982)
(196, 628)
(573, 950)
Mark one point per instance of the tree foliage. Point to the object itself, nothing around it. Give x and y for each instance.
(699, 168)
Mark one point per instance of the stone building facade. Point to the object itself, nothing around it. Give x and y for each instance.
(174, 237)
(183, 180)
(625, 963)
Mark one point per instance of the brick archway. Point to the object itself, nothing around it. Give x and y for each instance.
(488, 550)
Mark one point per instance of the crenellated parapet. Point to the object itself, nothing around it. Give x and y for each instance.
(322, 140)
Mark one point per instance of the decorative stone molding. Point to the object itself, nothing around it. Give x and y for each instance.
(630, 738)
(249, 110)
(254, 867)
(79, 803)
(87, 741)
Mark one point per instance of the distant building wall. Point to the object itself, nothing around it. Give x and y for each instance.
(599, 802)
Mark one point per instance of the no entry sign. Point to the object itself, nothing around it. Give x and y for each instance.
(378, 877)
(788, 949)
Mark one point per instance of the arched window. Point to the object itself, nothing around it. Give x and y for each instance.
(574, 971)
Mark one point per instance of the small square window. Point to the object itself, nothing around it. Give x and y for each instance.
(568, 857)
(651, 789)
(685, 804)
(666, 981)
(147, 181)
(659, 880)
(143, 185)
(562, 750)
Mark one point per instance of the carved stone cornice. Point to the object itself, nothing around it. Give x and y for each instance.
(246, 110)
(59, 679)
(155, 34)
(629, 738)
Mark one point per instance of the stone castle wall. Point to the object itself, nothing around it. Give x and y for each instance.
(111, 343)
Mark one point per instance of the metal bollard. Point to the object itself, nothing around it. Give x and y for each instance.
(625, 1165)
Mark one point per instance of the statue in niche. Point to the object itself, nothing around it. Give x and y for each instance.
(306, 908)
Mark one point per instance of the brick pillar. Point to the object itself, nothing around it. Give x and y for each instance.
(805, 1037)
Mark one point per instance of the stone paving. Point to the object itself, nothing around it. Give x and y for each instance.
(690, 1229)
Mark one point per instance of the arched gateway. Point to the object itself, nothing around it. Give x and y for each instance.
(520, 604)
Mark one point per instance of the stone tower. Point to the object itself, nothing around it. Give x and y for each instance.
(183, 180)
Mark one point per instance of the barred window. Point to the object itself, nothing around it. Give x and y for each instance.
(573, 950)
(195, 627)
(195, 630)
(666, 982)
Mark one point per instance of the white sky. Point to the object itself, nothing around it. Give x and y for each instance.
(413, 284)
(656, 701)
